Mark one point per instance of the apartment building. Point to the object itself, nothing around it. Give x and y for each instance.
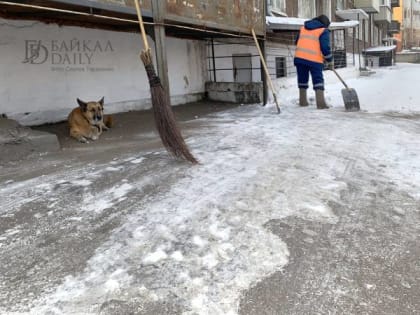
(411, 24)
(60, 50)
(374, 27)
(396, 24)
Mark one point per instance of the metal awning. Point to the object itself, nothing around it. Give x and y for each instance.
(92, 5)
(294, 24)
(379, 49)
(82, 13)
(391, 39)
(352, 14)
(181, 19)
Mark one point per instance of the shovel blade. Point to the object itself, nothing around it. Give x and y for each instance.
(351, 100)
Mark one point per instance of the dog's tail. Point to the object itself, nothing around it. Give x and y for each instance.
(109, 121)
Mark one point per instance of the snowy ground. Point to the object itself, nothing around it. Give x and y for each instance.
(135, 232)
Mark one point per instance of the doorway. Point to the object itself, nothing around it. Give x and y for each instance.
(242, 67)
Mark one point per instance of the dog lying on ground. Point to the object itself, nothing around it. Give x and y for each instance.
(87, 121)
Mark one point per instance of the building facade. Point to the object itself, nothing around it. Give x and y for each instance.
(375, 28)
(45, 67)
(54, 52)
(89, 49)
(411, 24)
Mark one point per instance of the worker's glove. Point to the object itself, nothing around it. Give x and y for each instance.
(330, 65)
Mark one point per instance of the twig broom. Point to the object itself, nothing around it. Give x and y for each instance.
(164, 117)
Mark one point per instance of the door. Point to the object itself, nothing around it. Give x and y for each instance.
(242, 67)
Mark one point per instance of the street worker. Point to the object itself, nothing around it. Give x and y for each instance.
(312, 50)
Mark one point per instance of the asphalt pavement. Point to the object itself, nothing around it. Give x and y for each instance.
(362, 259)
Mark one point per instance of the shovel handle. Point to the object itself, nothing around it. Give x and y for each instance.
(266, 70)
(338, 76)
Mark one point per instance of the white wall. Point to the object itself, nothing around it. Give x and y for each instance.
(88, 64)
(224, 52)
(274, 50)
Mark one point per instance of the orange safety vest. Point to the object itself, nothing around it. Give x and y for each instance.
(308, 46)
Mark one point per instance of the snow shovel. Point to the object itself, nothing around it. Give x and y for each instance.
(351, 101)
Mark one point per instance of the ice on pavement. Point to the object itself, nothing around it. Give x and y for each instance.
(202, 240)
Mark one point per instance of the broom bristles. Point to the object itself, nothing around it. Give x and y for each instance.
(164, 118)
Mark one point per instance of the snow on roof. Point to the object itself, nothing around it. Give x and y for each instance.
(345, 24)
(391, 39)
(352, 14)
(380, 48)
(292, 23)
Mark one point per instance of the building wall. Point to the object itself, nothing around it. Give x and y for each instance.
(224, 52)
(411, 24)
(397, 14)
(44, 68)
(324, 7)
(277, 50)
(292, 8)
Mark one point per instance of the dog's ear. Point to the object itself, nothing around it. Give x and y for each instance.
(101, 101)
(82, 104)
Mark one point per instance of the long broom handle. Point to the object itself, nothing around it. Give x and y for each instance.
(266, 70)
(143, 32)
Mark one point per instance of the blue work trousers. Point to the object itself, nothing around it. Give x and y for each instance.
(315, 70)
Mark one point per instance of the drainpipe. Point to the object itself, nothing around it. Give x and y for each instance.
(411, 21)
(214, 60)
(370, 30)
(358, 41)
(158, 10)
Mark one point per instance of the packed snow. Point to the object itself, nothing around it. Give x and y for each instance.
(201, 239)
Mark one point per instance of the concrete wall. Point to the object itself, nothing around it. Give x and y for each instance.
(274, 50)
(44, 68)
(409, 57)
(235, 92)
(371, 61)
(223, 53)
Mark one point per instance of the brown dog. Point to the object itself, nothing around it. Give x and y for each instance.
(87, 121)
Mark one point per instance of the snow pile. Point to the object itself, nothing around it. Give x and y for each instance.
(390, 89)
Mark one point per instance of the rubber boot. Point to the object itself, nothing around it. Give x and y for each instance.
(303, 101)
(320, 99)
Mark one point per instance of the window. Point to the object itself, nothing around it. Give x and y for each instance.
(281, 70)
(323, 7)
(278, 5)
(307, 9)
(341, 4)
